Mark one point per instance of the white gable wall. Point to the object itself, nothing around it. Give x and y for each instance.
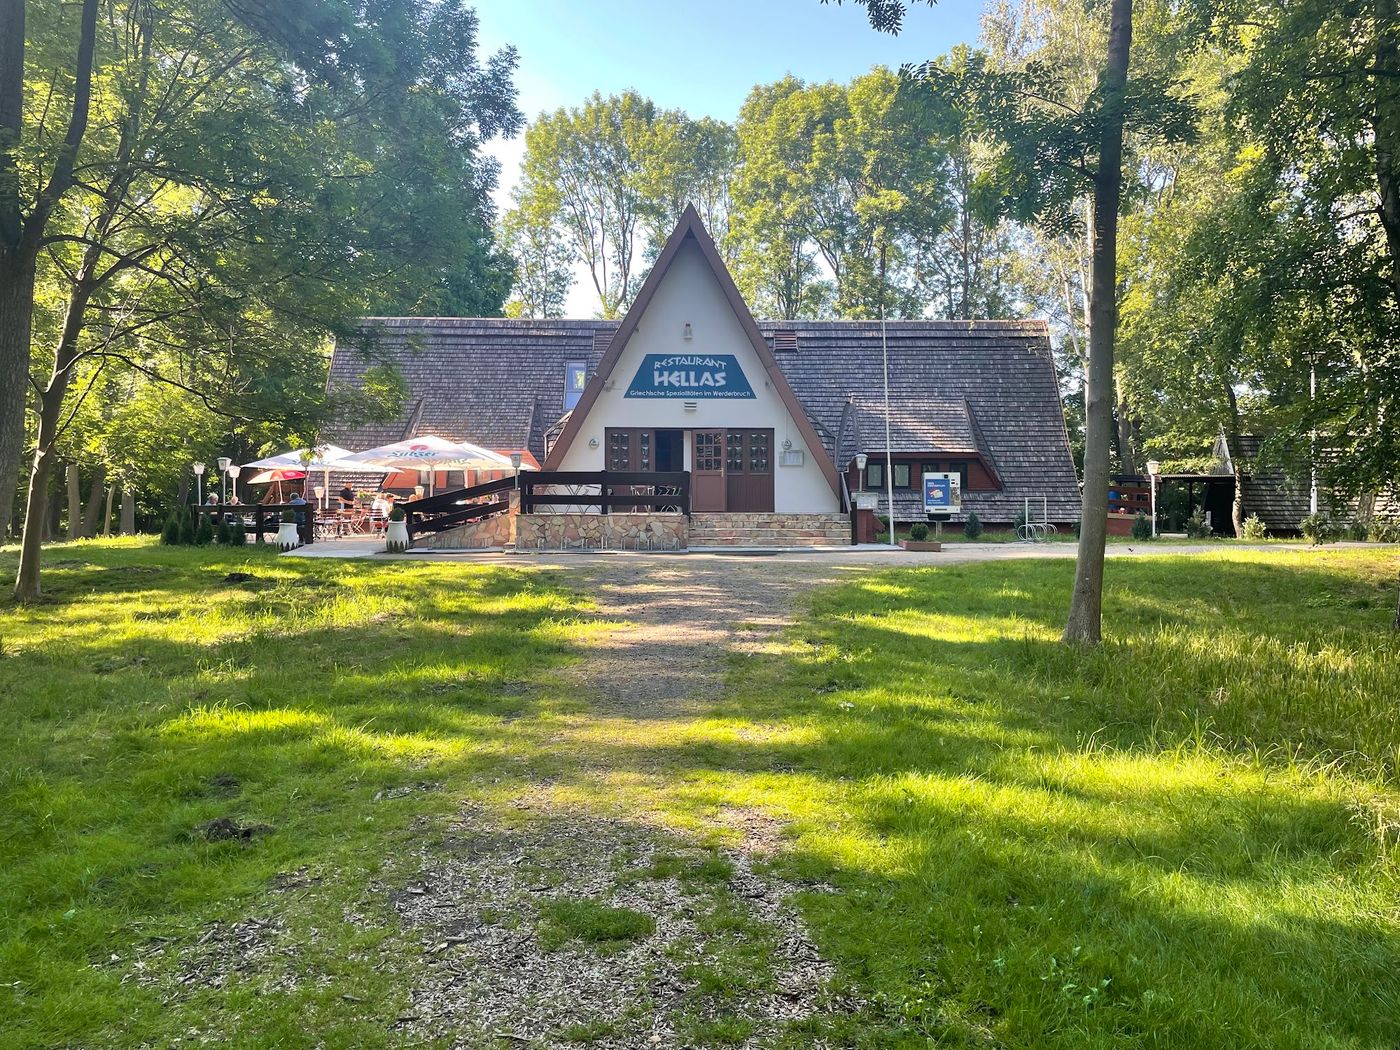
(690, 293)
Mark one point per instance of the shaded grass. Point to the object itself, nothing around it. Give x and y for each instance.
(568, 919)
(1187, 837)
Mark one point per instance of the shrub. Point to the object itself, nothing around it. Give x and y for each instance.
(1320, 528)
(972, 528)
(1197, 528)
(289, 517)
(186, 527)
(397, 514)
(223, 535)
(203, 532)
(918, 532)
(238, 535)
(170, 535)
(1254, 528)
(1384, 530)
(1356, 530)
(1142, 527)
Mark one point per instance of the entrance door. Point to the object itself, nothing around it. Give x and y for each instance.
(707, 471)
(748, 469)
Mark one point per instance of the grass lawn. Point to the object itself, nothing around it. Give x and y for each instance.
(1186, 838)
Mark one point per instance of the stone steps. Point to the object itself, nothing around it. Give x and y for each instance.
(749, 529)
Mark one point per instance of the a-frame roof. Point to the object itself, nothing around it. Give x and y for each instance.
(691, 227)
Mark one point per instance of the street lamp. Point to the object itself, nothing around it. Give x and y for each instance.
(861, 460)
(224, 462)
(233, 471)
(198, 469)
(515, 460)
(1153, 469)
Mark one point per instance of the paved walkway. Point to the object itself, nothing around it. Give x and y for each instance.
(863, 556)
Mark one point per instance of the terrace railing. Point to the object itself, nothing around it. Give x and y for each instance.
(605, 491)
(447, 510)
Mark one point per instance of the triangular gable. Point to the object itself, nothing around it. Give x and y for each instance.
(690, 226)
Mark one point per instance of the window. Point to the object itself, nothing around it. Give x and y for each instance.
(758, 451)
(874, 475)
(708, 454)
(959, 468)
(901, 475)
(619, 450)
(644, 450)
(734, 451)
(575, 379)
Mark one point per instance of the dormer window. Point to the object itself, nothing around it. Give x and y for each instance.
(575, 379)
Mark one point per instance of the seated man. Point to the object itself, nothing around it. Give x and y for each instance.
(298, 502)
(347, 499)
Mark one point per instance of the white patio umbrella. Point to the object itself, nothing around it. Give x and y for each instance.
(428, 454)
(324, 458)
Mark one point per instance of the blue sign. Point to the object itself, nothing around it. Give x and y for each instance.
(690, 376)
(942, 493)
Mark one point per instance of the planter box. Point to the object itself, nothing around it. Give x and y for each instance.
(921, 545)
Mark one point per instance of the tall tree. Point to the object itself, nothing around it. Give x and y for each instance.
(260, 174)
(36, 173)
(599, 162)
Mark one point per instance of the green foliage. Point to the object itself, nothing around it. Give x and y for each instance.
(397, 513)
(1321, 528)
(223, 535)
(203, 531)
(187, 527)
(238, 534)
(972, 528)
(170, 534)
(1383, 529)
(1254, 528)
(918, 532)
(289, 517)
(1197, 528)
(1142, 527)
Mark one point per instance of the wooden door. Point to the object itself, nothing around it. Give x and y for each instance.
(627, 449)
(748, 470)
(707, 471)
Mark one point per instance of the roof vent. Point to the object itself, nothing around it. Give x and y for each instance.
(785, 341)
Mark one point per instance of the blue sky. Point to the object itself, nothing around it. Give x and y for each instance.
(698, 56)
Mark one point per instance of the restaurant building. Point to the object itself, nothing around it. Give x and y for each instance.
(768, 418)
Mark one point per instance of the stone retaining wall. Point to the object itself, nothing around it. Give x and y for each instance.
(496, 531)
(599, 531)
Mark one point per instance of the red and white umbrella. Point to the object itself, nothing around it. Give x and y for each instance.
(428, 454)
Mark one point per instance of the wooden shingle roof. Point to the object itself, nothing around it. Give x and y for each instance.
(955, 386)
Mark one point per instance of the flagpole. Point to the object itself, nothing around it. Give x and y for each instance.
(889, 454)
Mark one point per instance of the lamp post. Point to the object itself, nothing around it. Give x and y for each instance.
(233, 471)
(861, 460)
(198, 469)
(224, 463)
(515, 460)
(1153, 469)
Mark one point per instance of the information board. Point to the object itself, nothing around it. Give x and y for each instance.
(942, 493)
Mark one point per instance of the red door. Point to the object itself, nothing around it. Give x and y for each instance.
(707, 471)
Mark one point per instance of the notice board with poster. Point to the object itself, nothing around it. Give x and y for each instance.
(942, 493)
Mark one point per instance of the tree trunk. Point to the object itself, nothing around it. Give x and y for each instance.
(1386, 128)
(94, 501)
(107, 514)
(128, 525)
(75, 501)
(16, 264)
(1085, 621)
(1127, 449)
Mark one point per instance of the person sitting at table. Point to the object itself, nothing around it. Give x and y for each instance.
(379, 508)
(347, 499)
(233, 500)
(298, 502)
